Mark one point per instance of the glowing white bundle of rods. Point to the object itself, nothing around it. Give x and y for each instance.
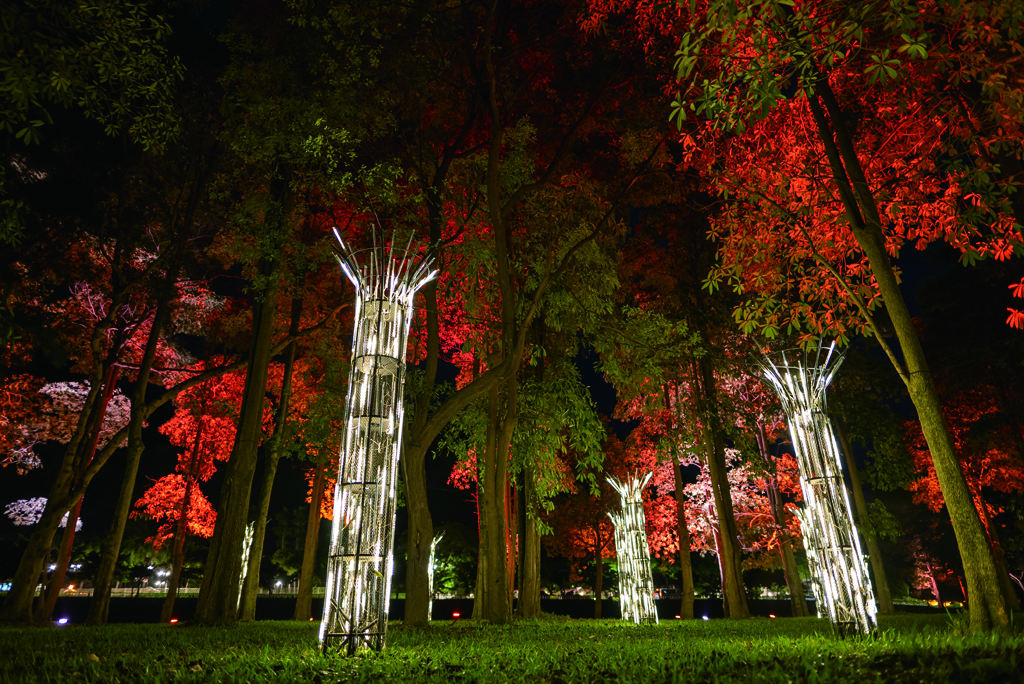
(636, 586)
(360, 559)
(830, 536)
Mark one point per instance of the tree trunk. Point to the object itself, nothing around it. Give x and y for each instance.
(304, 602)
(796, 588)
(882, 595)
(1005, 583)
(52, 591)
(495, 605)
(251, 584)
(481, 553)
(683, 530)
(219, 593)
(529, 589)
(715, 446)
(181, 531)
(111, 548)
(987, 608)
(599, 561)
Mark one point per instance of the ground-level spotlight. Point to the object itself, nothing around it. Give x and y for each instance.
(678, 618)
(771, 616)
(704, 617)
(174, 621)
(62, 621)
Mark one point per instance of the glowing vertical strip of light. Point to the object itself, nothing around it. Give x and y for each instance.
(430, 575)
(830, 536)
(636, 585)
(360, 561)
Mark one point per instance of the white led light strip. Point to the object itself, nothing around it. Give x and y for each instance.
(830, 536)
(360, 563)
(636, 586)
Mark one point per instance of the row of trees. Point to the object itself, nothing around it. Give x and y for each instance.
(178, 251)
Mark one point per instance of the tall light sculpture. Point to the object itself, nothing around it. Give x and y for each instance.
(360, 561)
(833, 548)
(636, 586)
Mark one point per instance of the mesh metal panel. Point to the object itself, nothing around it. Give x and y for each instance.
(636, 586)
(360, 561)
(830, 536)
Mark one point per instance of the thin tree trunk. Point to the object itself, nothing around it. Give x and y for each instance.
(99, 605)
(683, 530)
(987, 608)
(599, 560)
(251, 584)
(181, 530)
(1005, 583)
(882, 595)
(715, 445)
(529, 590)
(789, 568)
(219, 593)
(304, 602)
(481, 552)
(49, 598)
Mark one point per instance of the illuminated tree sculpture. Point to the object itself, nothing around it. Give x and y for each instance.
(833, 549)
(360, 561)
(636, 586)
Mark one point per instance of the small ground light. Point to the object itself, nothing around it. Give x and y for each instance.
(62, 621)
(678, 618)
(174, 620)
(705, 617)
(455, 617)
(771, 616)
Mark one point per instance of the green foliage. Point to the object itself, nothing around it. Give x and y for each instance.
(909, 648)
(106, 58)
(882, 523)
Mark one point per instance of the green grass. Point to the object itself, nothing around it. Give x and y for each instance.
(909, 648)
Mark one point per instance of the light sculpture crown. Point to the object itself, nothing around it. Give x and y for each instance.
(360, 559)
(830, 536)
(636, 586)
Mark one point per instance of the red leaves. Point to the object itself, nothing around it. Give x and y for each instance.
(1015, 319)
(162, 502)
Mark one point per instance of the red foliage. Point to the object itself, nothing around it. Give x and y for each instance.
(163, 502)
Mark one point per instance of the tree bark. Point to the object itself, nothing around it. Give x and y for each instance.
(683, 531)
(304, 602)
(599, 561)
(882, 594)
(52, 591)
(495, 605)
(1005, 583)
(796, 588)
(529, 589)
(99, 605)
(219, 593)
(181, 531)
(251, 584)
(714, 443)
(987, 608)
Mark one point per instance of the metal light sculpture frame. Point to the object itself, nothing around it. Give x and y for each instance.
(636, 586)
(361, 561)
(833, 547)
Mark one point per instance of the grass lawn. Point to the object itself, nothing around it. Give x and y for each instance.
(909, 648)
